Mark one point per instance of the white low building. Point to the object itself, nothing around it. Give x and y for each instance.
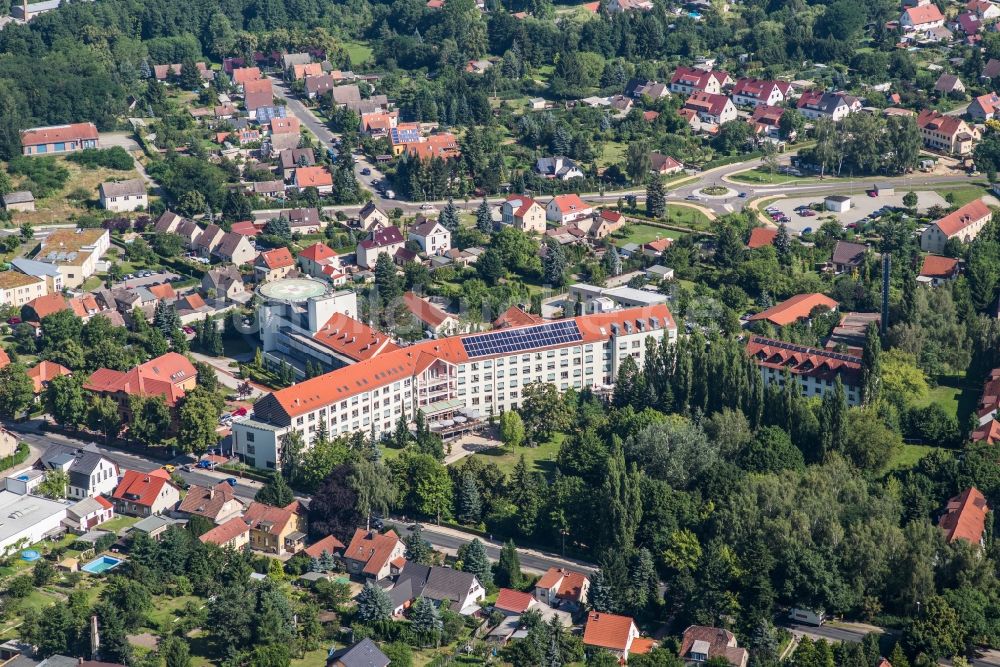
(122, 196)
(27, 519)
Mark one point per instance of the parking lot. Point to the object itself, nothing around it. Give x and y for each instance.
(861, 206)
(152, 279)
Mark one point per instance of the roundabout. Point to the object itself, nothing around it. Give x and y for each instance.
(716, 192)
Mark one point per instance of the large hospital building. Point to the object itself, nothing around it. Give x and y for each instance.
(454, 381)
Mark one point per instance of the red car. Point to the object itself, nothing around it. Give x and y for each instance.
(872, 193)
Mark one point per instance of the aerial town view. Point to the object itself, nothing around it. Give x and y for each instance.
(527, 333)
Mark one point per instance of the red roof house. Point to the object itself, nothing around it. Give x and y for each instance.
(964, 517)
(794, 309)
(145, 493)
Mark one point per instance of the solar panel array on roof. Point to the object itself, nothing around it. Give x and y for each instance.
(526, 338)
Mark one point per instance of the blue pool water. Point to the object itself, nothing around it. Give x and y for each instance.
(30, 555)
(101, 564)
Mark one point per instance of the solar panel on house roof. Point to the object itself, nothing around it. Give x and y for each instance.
(806, 350)
(525, 338)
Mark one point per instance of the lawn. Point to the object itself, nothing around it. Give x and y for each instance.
(963, 194)
(119, 522)
(541, 458)
(952, 395)
(765, 177)
(909, 455)
(640, 234)
(166, 610)
(359, 52)
(612, 152)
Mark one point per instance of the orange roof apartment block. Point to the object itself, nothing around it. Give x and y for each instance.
(964, 517)
(963, 224)
(794, 309)
(169, 376)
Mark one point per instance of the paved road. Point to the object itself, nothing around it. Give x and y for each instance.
(42, 441)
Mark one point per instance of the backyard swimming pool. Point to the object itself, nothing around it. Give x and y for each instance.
(30, 555)
(101, 564)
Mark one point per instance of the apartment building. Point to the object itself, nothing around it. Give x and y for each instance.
(478, 374)
(17, 289)
(74, 252)
(815, 370)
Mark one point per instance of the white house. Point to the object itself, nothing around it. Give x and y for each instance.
(712, 108)
(89, 473)
(563, 209)
(815, 104)
(432, 237)
(121, 196)
(921, 18)
(752, 92)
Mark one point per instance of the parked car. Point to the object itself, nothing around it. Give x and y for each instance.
(807, 230)
(872, 193)
(366, 172)
(231, 481)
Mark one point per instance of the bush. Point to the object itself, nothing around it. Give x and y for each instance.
(20, 587)
(45, 174)
(115, 157)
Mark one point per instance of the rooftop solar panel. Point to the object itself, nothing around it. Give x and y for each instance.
(526, 338)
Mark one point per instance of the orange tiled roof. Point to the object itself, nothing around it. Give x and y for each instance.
(162, 376)
(226, 532)
(515, 317)
(513, 601)
(278, 258)
(329, 544)
(353, 339)
(608, 631)
(317, 252)
(965, 517)
(371, 548)
(928, 13)
(393, 364)
(956, 221)
(44, 371)
(58, 133)
(570, 203)
(165, 291)
(794, 309)
(424, 311)
(761, 236)
(141, 488)
(269, 519)
(313, 177)
(936, 266)
(48, 304)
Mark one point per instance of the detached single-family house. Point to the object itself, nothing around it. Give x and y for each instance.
(273, 264)
(319, 261)
(921, 18)
(432, 237)
(44, 372)
(386, 240)
(88, 514)
(701, 643)
(365, 653)
(89, 473)
(524, 213)
(121, 196)
(559, 167)
(963, 224)
(937, 270)
(371, 554)
(560, 587)
(216, 503)
(664, 165)
(984, 107)
(293, 158)
(224, 283)
(145, 493)
(564, 209)
(964, 517)
(209, 238)
(848, 256)
(614, 633)
(276, 530)
(439, 584)
(314, 177)
(256, 95)
(949, 83)
(435, 321)
(372, 216)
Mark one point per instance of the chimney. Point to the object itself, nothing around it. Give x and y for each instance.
(211, 493)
